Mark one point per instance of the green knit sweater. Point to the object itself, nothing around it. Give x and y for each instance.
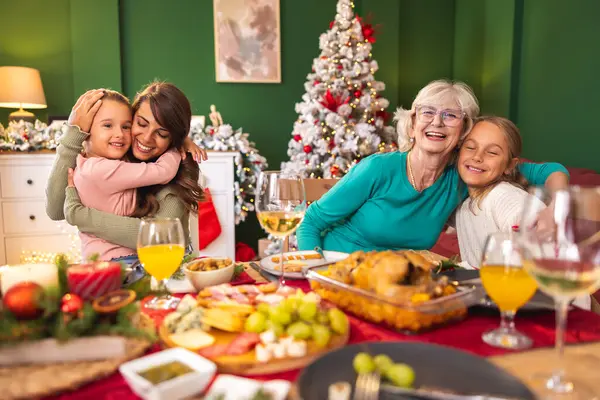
(63, 202)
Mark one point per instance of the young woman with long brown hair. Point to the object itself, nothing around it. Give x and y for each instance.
(161, 121)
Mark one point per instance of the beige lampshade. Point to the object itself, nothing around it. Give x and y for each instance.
(21, 87)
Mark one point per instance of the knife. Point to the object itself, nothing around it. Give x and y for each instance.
(438, 394)
(268, 277)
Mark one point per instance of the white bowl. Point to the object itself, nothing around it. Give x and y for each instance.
(174, 389)
(202, 279)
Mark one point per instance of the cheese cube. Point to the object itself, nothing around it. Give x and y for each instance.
(297, 348)
(186, 304)
(277, 350)
(263, 354)
(268, 337)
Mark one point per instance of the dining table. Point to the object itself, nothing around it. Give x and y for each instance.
(583, 331)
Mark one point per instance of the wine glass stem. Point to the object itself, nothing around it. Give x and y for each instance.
(162, 288)
(507, 320)
(281, 277)
(561, 325)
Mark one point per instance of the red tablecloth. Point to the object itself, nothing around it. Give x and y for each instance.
(583, 326)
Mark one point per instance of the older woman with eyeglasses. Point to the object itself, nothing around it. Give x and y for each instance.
(402, 200)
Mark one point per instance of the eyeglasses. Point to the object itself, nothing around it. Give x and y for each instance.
(449, 117)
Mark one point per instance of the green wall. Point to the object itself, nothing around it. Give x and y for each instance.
(425, 40)
(37, 34)
(484, 43)
(558, 99)
(531, 60)
(96, 47)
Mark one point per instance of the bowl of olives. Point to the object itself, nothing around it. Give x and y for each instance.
(209, 271)
(169, 374)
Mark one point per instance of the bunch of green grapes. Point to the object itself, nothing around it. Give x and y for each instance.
(298, 318)
(398, 374)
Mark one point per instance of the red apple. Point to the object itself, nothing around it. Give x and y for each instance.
(23, 300)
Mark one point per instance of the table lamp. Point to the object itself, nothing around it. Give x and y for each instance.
(21, 87)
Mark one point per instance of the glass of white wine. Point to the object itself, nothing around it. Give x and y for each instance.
(560, 243)
(280, 207)
(160, 248)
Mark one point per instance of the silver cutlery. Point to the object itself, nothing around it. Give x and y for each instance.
(367, 387)
(438, 394)
(321, 253)
(268, 277)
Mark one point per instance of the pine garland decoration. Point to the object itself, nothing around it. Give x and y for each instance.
(24, 136)
(53, 323)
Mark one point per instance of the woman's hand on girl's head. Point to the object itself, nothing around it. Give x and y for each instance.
(70, 180)
(198, 154)
(85, 109)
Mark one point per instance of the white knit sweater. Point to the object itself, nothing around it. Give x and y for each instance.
(499, 211)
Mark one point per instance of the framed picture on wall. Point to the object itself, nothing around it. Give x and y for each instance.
(247, 41)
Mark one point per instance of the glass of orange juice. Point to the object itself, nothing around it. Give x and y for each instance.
(508, 285)
(160, 248)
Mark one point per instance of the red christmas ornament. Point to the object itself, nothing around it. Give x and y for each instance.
(316, 82)
(383, 114)
(331, 24)
(331, 143)
(23, 300)
(306, 162)
(368, 31)
(297, 138)
(26, 136)
(332, 103)
(307, 148)
(335, 170)
(340, 67)
(211, 131)
(357, 93)
(71, 303)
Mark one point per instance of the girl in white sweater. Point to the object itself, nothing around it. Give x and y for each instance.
(487, 164)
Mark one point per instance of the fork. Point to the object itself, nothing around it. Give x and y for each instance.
(367, 387)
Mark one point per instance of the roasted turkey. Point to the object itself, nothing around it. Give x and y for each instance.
(395, 274)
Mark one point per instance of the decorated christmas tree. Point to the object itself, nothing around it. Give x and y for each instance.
(342, 118)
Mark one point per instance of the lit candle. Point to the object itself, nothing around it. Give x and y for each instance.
(45, 275)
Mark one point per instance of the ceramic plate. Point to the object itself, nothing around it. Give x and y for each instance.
(435, 366)
(268, 265)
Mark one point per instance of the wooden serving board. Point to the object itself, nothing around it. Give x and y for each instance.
(246, 364)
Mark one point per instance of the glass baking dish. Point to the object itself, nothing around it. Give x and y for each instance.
(403, 317)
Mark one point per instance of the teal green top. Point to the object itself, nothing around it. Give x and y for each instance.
(374, 207)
